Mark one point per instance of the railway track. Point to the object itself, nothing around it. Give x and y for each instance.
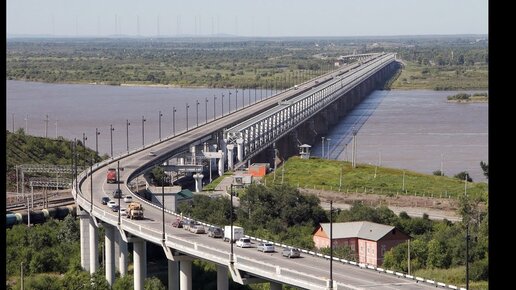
(38, 204)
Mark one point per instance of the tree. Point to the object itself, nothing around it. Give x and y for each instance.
(124, 283)
(437, 255)
(158, 175)
(153, 283)
(484, 167)
(463, 175)
(437, 173)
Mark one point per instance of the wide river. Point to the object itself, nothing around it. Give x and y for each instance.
(413, 130)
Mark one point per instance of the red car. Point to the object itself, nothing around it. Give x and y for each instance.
(178, 223)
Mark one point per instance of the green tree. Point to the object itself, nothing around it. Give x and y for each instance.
(153, 283)
(485, 168)
(463, 175)
(123, 283)
(76, 280)
(438, 257)
(69, 230)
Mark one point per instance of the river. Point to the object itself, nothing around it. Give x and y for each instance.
(414, 130)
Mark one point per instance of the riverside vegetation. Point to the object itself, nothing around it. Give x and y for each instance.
(432, 62)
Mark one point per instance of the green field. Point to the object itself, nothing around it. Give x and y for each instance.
(415, 76)
(326, 175)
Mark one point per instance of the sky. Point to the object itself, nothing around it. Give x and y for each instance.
(262, 18)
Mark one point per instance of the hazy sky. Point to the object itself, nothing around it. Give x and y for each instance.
(246, 17)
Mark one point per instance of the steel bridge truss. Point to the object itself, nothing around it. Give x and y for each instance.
(263, 130)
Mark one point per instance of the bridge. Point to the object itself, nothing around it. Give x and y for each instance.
(298, 113)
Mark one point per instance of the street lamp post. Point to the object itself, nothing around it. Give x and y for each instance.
(97, 133)
(91, 185)
(231, 223)
(163, 204)
(174, 120)
(197, 113)
(222, 103)
(331, 244)
(127, 133)
(206, 110)
(143, 131)
(214, 99)
(187, 106)
(159, 122)
(328, 139)
(236, 99)
(322, 155)
(111, 133)
(118, 187)
(84, 138)
(229, 102)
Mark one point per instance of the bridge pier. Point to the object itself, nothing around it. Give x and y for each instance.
(221, 163)
(140, 262)
(198, 181)
(275, 286)
(94, 241)
(122, 253)
(109, 242)
(185, 274)
(240, 149)
(85, 246)
(222, 278)
(173, 275)
(230, 148)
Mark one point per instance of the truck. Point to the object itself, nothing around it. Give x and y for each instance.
(135, 211)
(238, 232)
(112, 175)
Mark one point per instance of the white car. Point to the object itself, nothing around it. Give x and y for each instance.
(123, 212)
(111, 203)
(265, 247)
(128, 198)
(244, 243)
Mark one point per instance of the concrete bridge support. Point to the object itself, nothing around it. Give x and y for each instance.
(94, 241)
(109, 242)
(173, 275)
(221, 164)
(85, 239)
(240, 149)
(140, 262)
(275, 286)
(198, 182)
(230, 148)
(122, 253)
(222, 278)
(185, 274)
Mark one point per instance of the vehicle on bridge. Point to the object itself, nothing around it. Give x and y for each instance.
(238, 232)
(105, 200)
(135, 210)
(244, 243)
(112, 176)
(117, 193)
(215, 232)
(265, 247)
(291, 253)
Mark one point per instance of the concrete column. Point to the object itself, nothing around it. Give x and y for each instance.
(139, 259)
(94, 241)
(230, 148)
(173, 275)
(275, 286)
(185, 275)
(222, 278)
(123, 256)
(198, 181)
(109, 242)
(240, 149)
(85, 246)
(221, 163)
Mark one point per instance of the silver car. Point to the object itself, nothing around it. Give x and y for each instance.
(291, 253)
(197, 229)
(265, 247)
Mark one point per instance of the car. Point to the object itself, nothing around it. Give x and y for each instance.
(178, 223)
(197, 229)
(111, 203)
(189, 223)
(123, 212)
(215, 232)
(244, 243)
(117, 193)
(291, 253)
(115, 208)
(265, 247)
(128, 198)
(105, 200)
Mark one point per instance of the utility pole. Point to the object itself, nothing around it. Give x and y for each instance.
(111, 129)
(46, 127)
(127, 133)
(174, 120)
(159, 117)
(143, 131)
(467, 255)
(331, 244)
(322, 155)
(97, 133)
(408, 258)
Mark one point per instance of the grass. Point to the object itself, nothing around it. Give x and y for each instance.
(326, 175)
(454, 276)
(415, 76)
(216, 182)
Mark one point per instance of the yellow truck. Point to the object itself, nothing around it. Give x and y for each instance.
(135, 211)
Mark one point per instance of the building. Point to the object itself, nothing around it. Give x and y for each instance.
(369, 241)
